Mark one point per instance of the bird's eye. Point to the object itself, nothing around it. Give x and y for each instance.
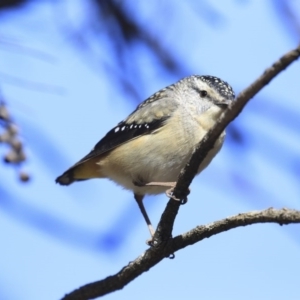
(203, 94)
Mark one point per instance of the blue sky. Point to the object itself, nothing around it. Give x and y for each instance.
(60, 93)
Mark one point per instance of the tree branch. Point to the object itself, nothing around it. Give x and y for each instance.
(165, 226)
(164, 245)
(153, 256)
(282, 216)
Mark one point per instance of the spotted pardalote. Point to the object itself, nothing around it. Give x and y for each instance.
(145, 152)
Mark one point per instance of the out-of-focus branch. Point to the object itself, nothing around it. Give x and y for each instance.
(9, 136)
(288, 16)
(152, 256)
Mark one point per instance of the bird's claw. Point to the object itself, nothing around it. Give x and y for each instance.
(182, 200)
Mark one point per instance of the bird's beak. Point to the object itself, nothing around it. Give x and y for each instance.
(223, 104)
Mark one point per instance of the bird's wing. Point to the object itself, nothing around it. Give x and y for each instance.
(123, 133)
(148, 117)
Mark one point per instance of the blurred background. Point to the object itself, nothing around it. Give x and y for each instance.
(70, 71)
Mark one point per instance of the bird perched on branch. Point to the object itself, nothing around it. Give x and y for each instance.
(146, 151)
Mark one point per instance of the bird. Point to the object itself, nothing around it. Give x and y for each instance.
(146, 151)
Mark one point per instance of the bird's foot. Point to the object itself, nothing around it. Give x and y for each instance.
(183, 199)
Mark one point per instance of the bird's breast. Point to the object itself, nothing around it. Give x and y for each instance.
(156, 157)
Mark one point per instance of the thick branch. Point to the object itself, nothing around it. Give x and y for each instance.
(154, 255)
(165, 226)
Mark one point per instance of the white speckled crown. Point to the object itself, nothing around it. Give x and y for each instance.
(221, 86)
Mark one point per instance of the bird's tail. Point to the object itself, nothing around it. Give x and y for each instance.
(79, 172)
(67, 177)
